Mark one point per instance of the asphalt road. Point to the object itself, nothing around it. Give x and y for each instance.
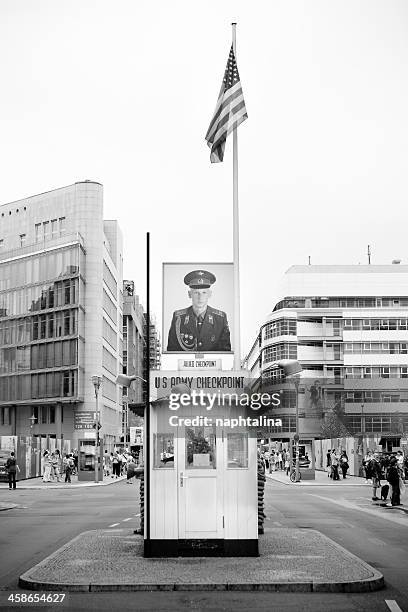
(45, 520)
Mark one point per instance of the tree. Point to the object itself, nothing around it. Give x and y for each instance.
(333, 427)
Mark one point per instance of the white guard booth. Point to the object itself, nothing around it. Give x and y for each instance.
(203, 472)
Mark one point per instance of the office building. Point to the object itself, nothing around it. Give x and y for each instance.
(133, 357)
(60, 315)
(348, 328)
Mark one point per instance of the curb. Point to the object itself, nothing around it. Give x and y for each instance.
(5, 506)
(43, 487)
(374, 583)
(311, 483)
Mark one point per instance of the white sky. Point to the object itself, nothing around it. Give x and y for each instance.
(122, 92)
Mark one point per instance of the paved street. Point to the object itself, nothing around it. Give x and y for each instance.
(44, 520)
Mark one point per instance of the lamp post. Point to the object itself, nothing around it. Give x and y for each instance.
(96, 381)
(292, 369)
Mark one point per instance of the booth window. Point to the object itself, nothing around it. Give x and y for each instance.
(237, 448)
(200, 448)
(163, 450)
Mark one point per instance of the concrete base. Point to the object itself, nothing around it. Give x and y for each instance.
(201, 548)
(291, 560)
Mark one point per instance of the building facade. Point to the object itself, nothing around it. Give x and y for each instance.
(133, 357)
(60, 314)
(348, 328)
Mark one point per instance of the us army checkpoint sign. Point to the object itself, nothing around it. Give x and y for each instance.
(198, 313)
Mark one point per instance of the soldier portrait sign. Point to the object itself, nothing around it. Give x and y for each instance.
(198, 307)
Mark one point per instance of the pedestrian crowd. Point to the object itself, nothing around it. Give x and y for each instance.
(120, 463)
(336, 461)
(391, 467)
(55, 466)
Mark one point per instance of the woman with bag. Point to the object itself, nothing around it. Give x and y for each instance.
(344, 463)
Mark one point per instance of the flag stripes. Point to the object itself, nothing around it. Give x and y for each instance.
(230, 111)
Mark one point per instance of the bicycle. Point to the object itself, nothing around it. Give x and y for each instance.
(293, 475)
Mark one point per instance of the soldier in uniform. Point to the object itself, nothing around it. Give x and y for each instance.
(199, 328)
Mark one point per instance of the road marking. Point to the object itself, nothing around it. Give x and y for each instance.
(350, 506)
(128, 519)
(393, 606)
(377, 542)
(114, 525)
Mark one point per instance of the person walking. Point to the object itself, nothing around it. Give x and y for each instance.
(376, 474)
(106, 464)
(335, 465)
(287, 464)
(56, 465)
(46, 466)
(69, 467)
(116, 465)
(366, 466)
(272, 462)
(344, 464)
(12, 468)
(328, 464)
(393, 478)
(400, 464)
(130, 473)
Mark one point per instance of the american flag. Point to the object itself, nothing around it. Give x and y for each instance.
(229, 112)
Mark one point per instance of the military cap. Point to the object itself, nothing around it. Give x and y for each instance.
(199, 279)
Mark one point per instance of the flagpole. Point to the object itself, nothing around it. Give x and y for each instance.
(235, 222)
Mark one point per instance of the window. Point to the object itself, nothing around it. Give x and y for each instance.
(281, 327)
(280, 351)
(46, 229)
(44, 414)
(200, 448)
(54, 228)
(38, 232)
(163, 451)
(62, 226)
(22, 239)
(237, 450)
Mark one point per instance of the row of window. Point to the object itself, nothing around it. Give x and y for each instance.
(376, 324)
(109, 307)
(109, 361)
(377, 372)
(32, 299)
(49, 229)
(109, 334)
(376, 424)
(109, 279)
(39, 327)
(45, 415)
(389, 348)
(281, 327)
(39, 386)
(343, 302)
(38, 356)
(367, 397)
(283, 350)
(40, 268)
(108, 389)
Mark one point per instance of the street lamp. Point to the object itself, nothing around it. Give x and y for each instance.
(292, 370)
(32, 420)
(96, 381)
(126, 381)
